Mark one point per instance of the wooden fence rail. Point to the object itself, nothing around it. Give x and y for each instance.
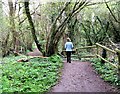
(104, 47)
(86, 47)
(116, 51)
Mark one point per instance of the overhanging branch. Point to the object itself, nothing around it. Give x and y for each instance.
(111, 12)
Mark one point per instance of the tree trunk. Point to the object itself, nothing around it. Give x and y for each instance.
(71, 28)
(39, 46)
(5, 49)
(12, 25)
(58, 31)
(116, 32)
(89, 42)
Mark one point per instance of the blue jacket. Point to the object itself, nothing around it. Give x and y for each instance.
(68, 46)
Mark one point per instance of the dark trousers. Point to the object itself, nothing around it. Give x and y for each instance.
(68, 53)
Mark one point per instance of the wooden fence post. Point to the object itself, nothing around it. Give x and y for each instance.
(104, 55)
(97, 50)
(118, 54)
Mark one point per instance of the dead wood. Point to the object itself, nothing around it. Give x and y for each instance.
(31, 57)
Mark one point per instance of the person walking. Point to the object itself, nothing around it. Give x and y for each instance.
(68, 47)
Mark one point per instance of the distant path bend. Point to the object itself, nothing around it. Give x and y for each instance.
(81, 77)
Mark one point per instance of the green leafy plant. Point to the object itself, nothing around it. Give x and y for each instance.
(37, 75)
(107, 71)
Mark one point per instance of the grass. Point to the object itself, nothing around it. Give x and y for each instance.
(37, 75)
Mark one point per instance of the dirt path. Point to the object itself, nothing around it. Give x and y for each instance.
(80, 77)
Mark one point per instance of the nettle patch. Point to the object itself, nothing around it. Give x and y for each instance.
(37, 75)
(107, 71)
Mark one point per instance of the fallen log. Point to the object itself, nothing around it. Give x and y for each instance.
(23, 60)
(31, 57)
(17, 53)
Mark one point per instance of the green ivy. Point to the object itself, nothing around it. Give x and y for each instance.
(107, 71)
(37, 75)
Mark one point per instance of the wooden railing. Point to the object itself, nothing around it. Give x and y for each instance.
(104, 47)
(86, 47)
(97, 46)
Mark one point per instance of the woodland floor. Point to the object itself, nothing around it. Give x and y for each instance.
(79, 77)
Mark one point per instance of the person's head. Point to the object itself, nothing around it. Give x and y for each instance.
(68, 39)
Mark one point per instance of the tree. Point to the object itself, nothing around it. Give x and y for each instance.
(114, 20)
(57, 31)
(12, 25)
(26, 4)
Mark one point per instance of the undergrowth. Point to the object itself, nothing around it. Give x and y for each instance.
(106, 71)
(37, 75)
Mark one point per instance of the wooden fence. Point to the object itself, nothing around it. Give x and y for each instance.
(97, 46)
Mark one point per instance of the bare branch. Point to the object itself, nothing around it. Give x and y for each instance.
(15, 4)
(71, 14)
(66, 5)
(111, 12)
(96, 3)
(30, 14)
(80, 7)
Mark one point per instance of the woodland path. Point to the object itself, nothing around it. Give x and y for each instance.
(79, 77)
